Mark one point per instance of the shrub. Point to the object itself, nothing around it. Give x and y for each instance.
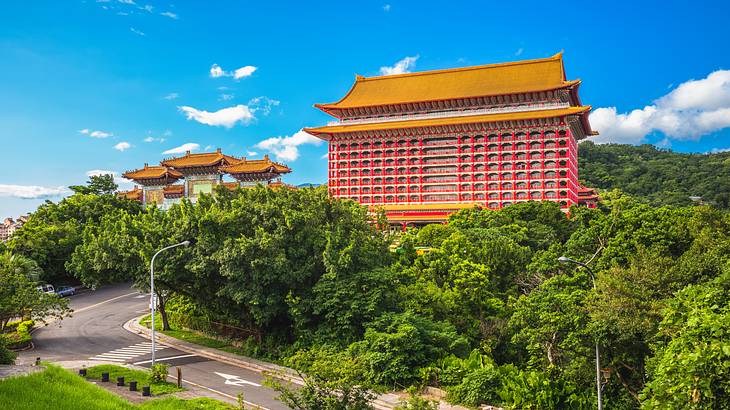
(6, 356)
(398, 345)
(21, 337)
(160, 372)
(537, 390)
(416, 402)
(321, 394)
(478, 387)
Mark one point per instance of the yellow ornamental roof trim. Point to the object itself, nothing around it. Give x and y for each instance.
(472, 119)
(465, 82)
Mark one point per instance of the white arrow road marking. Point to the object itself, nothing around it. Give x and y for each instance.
(236, 380)
(166, 358)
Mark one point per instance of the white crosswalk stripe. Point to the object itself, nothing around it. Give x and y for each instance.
(127, 353)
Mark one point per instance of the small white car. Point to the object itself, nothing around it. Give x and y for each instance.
(46, 288)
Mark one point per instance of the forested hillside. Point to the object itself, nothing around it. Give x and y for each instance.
(662, 177)
(480, 307)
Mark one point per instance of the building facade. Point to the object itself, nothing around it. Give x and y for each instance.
(423, 145)
(9, 226)
(191, 175)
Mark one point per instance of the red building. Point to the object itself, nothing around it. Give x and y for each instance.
(423, 145)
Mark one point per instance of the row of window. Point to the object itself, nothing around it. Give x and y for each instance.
(367, 168)
(493, 186)
(520, 146)
(492, 195)
(507, 136)
(453, 171)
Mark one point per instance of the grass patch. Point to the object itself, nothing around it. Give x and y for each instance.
(59, 389)
(143, 378)
(197, 338)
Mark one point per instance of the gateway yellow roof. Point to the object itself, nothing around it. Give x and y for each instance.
(472, 119)
(256, 165)
(467, 82)
(152, 172)
(205, 159)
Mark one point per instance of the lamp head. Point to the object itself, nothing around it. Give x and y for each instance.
(186, 243)
(565, 260)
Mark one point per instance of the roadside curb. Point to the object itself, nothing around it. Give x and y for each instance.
(281, 372)
(385, 401)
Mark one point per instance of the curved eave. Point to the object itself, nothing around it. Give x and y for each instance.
(334, 109)
(326, 131)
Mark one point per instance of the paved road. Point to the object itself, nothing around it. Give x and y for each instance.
(95, 333)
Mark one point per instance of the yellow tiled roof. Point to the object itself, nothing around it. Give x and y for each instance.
(472, 119)
(152, 172)
(204, 159)
(174, 190)
(466, 82)
(134, 194)
(257, 165)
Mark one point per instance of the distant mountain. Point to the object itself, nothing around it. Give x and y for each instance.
(662, 177)
(308, 185)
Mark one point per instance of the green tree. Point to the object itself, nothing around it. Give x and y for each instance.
(54, 230)
(691, 367)
(98, 185)
(19, 297)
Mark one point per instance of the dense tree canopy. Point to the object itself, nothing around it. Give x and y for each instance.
(480, 306)
(661, 176)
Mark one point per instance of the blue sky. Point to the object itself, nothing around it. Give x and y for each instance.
(109, 85)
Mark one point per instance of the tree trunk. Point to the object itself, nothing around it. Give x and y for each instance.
(163, 312)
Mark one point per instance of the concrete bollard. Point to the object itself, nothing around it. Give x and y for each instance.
(82, 372)
(179, 377)
(37, 361)
(105, 377)
(120, 381)
(133, 385)
(145, 390)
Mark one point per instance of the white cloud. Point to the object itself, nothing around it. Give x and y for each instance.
(122, 146)
(147, 8)
(402, 66)
(226, 97)
(519, 51)
(244, 72)
(226, 117)
(324, 156)
(386, 7)
(117, 179)
(96, 133)
(208, 148)
(131, 2)
(216, 71)
(32, 191)
(171, 96)
(137, 32)
(262, 104)
(167, 133)
(170, 15)
(190, 146)
(251, 153)
(287, 148)
(154, 139)
(718, 150)
(693, 109)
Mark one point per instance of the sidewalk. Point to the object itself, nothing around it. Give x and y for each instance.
(385, 401)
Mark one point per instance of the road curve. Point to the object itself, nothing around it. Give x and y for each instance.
(95, 333)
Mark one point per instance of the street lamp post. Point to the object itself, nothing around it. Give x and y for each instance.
(565, 260)
(152, 290)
